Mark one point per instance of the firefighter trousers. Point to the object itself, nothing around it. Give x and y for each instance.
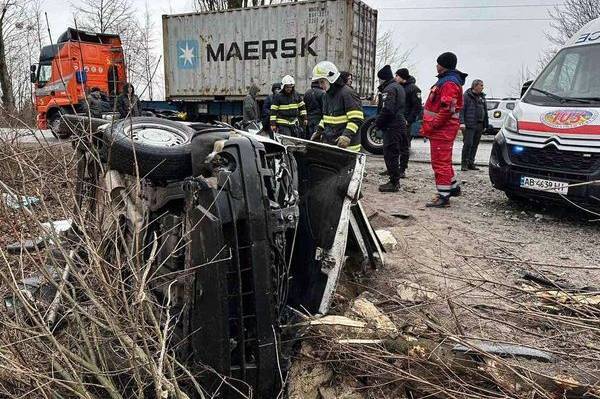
(441, 162)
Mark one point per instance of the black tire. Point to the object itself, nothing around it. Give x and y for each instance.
(57, 126)
(139, 139)
(368, 137)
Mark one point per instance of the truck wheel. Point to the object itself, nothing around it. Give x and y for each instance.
(155, 148)
(56, 125)
(369, 137)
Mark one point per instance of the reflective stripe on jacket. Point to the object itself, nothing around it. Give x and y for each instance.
(342, 115)
(286, 109)
(441, 114)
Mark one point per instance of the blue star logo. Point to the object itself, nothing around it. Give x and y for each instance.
(188, 54)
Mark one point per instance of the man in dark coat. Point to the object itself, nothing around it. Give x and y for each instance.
(96, 104)
(390, 119)
(250, 110)
(128, 104)
(412, 112)
(474, 121)
(313, 98)
(266, 111)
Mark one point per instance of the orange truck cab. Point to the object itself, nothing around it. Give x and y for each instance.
(69, 69)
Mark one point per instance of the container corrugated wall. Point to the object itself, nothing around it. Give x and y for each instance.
(220, 54)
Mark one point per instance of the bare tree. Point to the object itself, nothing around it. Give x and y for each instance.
(6, 26)
(567, 19)
(217, 5)
(390, 53)
(516, 81)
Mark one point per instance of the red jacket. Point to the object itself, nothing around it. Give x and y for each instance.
(441, 115)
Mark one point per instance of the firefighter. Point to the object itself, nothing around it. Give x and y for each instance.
(390, 120)
(288, 111)
(441, 122)
(314, 107)
(342, 109)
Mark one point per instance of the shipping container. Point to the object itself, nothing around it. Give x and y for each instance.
(218, 55)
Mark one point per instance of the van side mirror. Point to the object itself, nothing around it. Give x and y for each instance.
(33, 77)
(525, 87)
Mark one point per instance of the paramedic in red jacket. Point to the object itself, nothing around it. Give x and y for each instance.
(441, 122)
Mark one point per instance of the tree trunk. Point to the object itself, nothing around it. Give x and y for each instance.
(8, 100)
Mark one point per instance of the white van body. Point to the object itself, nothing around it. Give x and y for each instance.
(552, 138)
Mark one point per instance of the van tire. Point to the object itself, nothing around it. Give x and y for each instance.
(157, 149)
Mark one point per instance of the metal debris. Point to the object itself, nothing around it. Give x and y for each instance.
(19, 201)
(479, 348)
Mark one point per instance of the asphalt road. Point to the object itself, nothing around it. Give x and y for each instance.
(27, 136)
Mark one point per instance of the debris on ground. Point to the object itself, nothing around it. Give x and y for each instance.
(19, 201)
(26, 245)
(481, 348)
(412, 292)
(387, 239)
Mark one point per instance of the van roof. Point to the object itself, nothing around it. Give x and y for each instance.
(589, 34)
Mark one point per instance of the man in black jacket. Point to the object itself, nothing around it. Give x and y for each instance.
(412, 112)
(474, 120)
(313, 99)
(390, 119)
(266, 111)
(128, 103)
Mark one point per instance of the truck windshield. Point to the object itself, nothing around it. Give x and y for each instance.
(571, 77)
(45, 73)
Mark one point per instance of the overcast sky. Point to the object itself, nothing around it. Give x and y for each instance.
(495, 51)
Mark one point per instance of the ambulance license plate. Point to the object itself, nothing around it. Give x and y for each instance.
(533, 183)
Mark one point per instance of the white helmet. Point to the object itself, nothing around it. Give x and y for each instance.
(325, 70)
(288, 80)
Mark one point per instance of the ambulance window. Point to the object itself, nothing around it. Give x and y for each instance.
(45, 73)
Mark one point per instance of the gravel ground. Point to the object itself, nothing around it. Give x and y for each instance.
(471, 258)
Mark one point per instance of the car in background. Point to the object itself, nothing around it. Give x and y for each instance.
(498, 109)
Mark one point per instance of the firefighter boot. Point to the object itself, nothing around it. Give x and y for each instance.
(390, 187)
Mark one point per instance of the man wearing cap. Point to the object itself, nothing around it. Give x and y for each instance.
(441, 121)
(390, 120)
(412, 112)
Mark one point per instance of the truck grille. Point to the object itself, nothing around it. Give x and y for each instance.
(552, 158)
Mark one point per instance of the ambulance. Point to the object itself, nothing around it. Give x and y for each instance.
(549, 145)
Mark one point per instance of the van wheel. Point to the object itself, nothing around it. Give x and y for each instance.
(156, 148)
(371, 138)
(56, 125)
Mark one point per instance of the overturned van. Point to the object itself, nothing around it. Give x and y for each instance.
(549, 146)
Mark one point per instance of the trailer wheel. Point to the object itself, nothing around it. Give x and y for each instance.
(371, 137)
(156, 148)
(57, 126)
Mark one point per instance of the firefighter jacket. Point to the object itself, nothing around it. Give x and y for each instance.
(314, 104)
(392, 101)
(342, 115)
(441, 117)
(287, 109)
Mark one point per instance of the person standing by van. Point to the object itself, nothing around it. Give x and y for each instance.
(250, 110)
(474, 121)
(441, 121)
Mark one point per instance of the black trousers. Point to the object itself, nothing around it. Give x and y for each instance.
(290, 130)
(394, 142)
(404, 149)
(471, 138)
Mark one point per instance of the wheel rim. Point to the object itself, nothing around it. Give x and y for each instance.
(372, 137)
(156, 135)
